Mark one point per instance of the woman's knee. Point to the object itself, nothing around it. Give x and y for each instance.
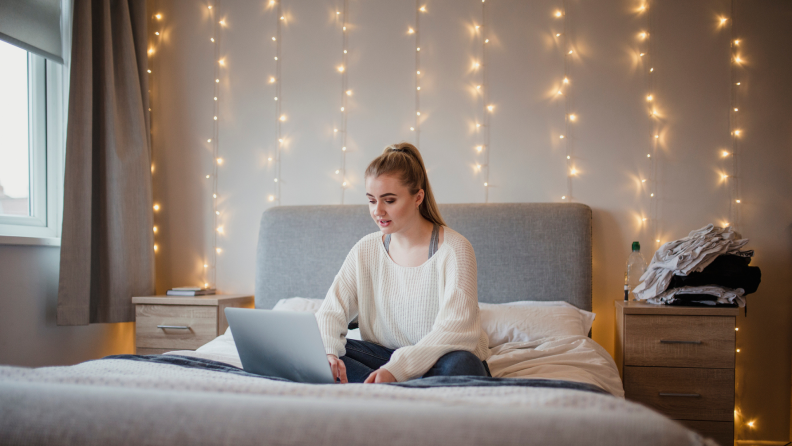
(460, 362)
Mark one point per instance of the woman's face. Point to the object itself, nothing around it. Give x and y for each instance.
(390, 203)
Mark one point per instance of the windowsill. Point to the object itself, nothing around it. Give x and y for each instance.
(30, 241)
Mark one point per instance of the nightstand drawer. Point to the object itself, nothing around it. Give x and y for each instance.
(679, 341)
(683, 393)
(175, 327)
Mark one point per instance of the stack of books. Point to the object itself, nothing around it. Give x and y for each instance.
(190, 291)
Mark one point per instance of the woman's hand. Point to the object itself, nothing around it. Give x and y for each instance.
(380, 376)
(338, 368)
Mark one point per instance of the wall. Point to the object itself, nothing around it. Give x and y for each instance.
(29, 335)
(610, 139)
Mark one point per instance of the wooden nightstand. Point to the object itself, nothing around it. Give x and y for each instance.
(680, 362)
(167, 323)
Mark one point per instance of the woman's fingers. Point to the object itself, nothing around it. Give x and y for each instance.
(342, 371)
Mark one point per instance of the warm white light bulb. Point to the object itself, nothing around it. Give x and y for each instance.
(341, 69)
(156, 207)
(558, 34)
(478, 87)
(725, 153)
(344, 183)
(158, 16)
(215, 98)
(149, 71)
(276, 180)
(222, 22)
(276, 57)
(479, 148)
(563, 197)
(572, 117)
(651, 69)
(208, 176)
(649, 98)
(477, 27)
(217, 212)
(412, 129)
(486, 40)
(643, 219)
(220, 229)
(273, 39)
(214, 195)
(221, 61)
(558, 14)
(559, 92)
(562, 136)
(478, 125)
(342, 108)
(218, 250)
(272, 80)
(210, 6)
(345, 51)
(651, 195)
(155, 229)
(738, 201)
(490, 107)
(418, 113)
(566, 80)
(737, 133)
(337, 171)
(418, 49)
(155, 247)
(344, 28)
(657, 136)
(269, 158)
(418, 72)
(736, 109)
(410, 30)
(271, 198)
(570, 52)
(206, 266)
(723, 20)
(219, 161)
(209, 140)
(642, 54)
(569, 157)
(423, 8)
(343, 149)
(217, 81)
(643, 181)
(349, 92)
(419, 88)
(643, 35)
(486, 184)
(335, 130)
(648, 155)
(573, 171)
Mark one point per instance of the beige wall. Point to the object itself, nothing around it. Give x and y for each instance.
(611, 139)
(29, 335)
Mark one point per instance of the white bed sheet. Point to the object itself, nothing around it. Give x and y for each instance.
(568, 358)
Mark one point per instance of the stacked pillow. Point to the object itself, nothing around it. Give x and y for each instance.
(521, 321)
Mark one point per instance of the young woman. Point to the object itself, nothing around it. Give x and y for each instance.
(412, 286)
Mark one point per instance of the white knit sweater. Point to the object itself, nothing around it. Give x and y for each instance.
(423, 312)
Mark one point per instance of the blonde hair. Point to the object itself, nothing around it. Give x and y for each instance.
(404, 160)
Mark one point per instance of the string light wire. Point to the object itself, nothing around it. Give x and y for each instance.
(210, 277)
(733, 180)
(417, 32)
(568, 136)
(345, 93)
(485, 97)
(646, 59)
(279, 117)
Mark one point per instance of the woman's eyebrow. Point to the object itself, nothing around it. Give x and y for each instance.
(381, 196)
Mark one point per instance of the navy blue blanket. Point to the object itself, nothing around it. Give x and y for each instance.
(434, 381)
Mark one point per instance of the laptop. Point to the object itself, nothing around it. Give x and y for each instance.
(283, 344)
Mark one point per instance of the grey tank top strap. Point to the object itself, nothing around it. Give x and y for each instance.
(433, 243)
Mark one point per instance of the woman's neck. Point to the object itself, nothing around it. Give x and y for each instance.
(414, 235)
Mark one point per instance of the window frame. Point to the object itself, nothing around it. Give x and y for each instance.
(46, 137)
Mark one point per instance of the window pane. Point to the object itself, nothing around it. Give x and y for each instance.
(14, 147)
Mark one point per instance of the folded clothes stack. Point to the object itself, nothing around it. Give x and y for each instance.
(704, 268)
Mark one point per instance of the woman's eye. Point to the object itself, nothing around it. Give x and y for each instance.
(389, 202)
(371, 202)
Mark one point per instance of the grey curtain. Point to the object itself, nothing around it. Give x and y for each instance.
(107, 245)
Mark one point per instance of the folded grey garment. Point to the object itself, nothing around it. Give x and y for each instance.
(724, 295)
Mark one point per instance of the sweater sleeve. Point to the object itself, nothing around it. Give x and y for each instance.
(457, 326)
(340, 306)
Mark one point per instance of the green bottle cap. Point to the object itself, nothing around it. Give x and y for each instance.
(636, 246)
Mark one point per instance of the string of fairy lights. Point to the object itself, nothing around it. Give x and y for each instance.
(279, 116)
(154, 24)
(732, 178)
(649, 182)
(483, 127)
(564, 92)
(341, 19)
(735, 72)
(210, 264)
(417, 32)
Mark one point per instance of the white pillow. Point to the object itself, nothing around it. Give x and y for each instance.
(529, 320)
(587, 317)
(298, 304)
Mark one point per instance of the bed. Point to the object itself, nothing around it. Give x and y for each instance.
(561, 389)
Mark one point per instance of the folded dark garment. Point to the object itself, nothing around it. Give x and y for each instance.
(730, 271)
(686, 303)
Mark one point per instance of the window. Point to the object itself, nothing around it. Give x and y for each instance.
(31, 140)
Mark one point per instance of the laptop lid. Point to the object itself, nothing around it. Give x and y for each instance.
(284, 344)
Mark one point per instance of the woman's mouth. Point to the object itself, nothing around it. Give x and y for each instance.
(384, 223)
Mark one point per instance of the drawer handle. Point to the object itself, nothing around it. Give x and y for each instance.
(687, 395)
(663, 341)
(175, 327)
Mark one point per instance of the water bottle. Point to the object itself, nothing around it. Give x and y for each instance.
(636, 265)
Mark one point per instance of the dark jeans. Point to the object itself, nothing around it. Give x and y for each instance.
(363, 357)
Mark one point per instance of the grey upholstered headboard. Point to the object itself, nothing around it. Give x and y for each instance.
(524, 251)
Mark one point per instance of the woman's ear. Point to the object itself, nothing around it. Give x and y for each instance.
(419, 198)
